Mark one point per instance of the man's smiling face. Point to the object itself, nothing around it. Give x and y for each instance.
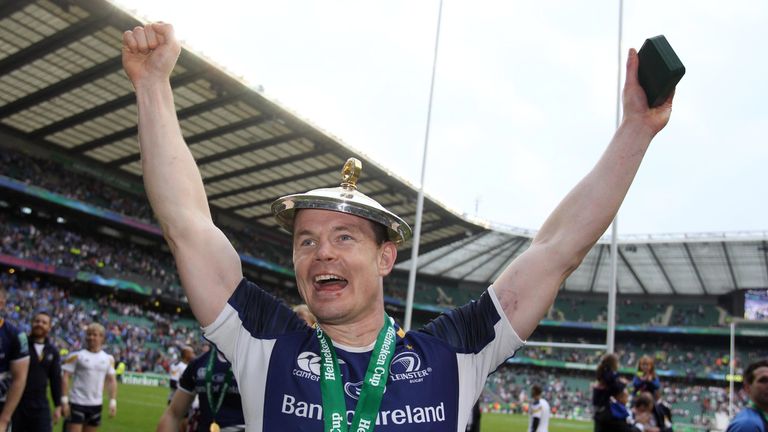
(339, 265)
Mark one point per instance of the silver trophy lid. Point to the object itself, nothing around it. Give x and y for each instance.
(345, 199)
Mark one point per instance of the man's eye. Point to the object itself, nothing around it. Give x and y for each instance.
(345, 237)
(307, 242)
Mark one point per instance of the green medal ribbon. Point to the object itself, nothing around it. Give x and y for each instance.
(209, 384)
(332, 387)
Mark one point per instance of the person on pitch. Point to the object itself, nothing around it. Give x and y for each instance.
(34, 413)
(176, 369)
(91, 370)
(14, 366)
(754, 417)
(210, 378)
(358, 370)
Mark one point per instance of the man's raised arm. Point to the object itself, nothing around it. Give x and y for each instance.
(527, 288)
(208, 265)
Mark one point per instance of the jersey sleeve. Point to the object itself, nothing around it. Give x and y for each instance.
(187, 379)
(476, 327)
(19, 346)
(482, 337)
(111, 370)
(256, 312)
(69, 363)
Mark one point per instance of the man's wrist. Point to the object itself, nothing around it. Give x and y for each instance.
(113, 403)
(64, 400)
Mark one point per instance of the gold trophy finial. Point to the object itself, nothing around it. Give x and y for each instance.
(350, 174)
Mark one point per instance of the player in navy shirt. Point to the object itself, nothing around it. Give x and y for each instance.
(211, 379)
(754, 418)
(14, 365)
(33, 413)
(293, 377)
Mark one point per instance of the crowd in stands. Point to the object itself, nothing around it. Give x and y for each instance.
(631, 311)
(508, 391)
(54, 178)
(685, 358)
(146, 340)
(66, 247)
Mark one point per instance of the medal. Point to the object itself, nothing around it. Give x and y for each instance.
(215, 405)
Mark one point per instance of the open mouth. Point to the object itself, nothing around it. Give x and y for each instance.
(329, 282)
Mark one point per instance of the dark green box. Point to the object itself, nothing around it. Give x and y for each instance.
(660, 69)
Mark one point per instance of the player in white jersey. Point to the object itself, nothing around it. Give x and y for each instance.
(539, 411)
(90, 369)
(178, 368)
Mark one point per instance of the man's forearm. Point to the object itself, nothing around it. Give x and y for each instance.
(587, 211)
(54, 376)
(15, 391)
(112, 387)
(527, 288)
(168, 423)
(173, 182)
(64, 384)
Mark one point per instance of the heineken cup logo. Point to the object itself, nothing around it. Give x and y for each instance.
(336, 420)
(325, 351)
(381, 360)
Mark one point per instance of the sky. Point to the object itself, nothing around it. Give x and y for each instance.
(524, 96)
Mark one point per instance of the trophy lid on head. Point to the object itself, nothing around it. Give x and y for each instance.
(344, 199)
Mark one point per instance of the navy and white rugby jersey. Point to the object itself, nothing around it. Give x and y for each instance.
(436, 374)
(13, 347)
(192, 381)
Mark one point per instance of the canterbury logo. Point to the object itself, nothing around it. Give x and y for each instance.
(309, 362)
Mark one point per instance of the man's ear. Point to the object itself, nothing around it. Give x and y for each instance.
(387, 257)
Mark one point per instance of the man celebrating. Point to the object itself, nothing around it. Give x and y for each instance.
(14, 365)
(357, 369)
(90, 369)
(755, 417)
(33, 413)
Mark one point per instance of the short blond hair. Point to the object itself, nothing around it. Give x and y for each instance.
(97, 326)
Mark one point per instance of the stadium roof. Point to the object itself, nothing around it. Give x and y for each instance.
(62, 87)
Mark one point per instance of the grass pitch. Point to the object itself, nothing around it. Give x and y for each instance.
(138, 409)
(490, 422)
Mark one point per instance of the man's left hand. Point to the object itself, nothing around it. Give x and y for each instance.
(57, 414)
